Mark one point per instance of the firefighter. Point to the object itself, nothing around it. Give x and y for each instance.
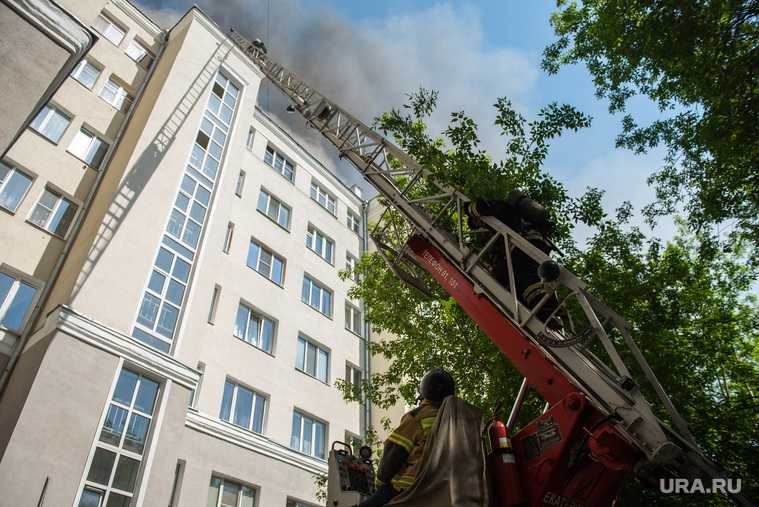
(530, 219)
(401, 458)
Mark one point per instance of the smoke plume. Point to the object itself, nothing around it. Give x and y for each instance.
(369, 66)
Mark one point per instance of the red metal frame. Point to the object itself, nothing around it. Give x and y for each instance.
(571, 455)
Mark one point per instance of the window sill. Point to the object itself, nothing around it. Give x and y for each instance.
(233, 425)
(281, 286)
(86, 165)
(88, 88)
(317, 311)
(271, 354)
(333, 215)
(290, 181)
(62, 238)
(44, 137)
(354, 333)
(312, 377)
(274, 221)
(308, 455)
(319, 256)
(12, 212)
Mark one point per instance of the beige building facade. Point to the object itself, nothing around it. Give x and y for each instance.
(172, 315)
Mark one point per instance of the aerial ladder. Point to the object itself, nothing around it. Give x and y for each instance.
(596, 427)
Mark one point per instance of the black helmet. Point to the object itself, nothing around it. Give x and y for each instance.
(436, 385)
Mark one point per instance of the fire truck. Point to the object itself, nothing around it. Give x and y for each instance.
(597, 427)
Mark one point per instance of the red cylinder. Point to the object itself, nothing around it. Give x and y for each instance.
(503, 467)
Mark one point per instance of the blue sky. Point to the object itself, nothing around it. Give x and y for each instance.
(370, 53)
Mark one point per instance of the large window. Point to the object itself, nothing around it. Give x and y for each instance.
(266, 262)
(312, 359)
(13, 187)
(296, 503)
(189, 211)
(53, 212)
(324, 198)
(354, 222)
(88, 147)
(225, 493)
(309, 435)
(320, 244)
(140, 54)
(113, 471)
(116, 94)
(353, 322)
(163, 298)
(317, 296)
(109, 29)
(86, 73)
(51, 122)
(280, 163)
(243, 407)
(274, 209)
(16, 299)
(158, 314)
(254, 328)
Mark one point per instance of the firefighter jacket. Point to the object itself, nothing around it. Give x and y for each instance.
(401, 458)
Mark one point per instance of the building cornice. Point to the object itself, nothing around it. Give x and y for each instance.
(256, 443)
(285, 138)
(98, 335)
(138, 17)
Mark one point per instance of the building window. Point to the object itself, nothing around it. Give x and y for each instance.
(225, 493)
(116, 95)
(113, 472)
(266, 262)
(88, 147)
(228, 237)
(320, 244)
(13, 187)
(353, 319)
(324, 198)
(274, 209)
(53, 212)
(243, 407)
(350, 266)
(309, 436)
(163, 298)
(51, 122)
(140, 54)
(214, 304)
(255, 329)
(354, 222)
(109, 29)
(317, 296)
(189, 211)
(86, 73)
(312, 359)
(280, 163)
(16, 300)
(223, 98)
(250, 138)
(240, 183)
(352, 376)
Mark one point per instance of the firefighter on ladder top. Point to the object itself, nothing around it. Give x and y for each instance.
(530, 219)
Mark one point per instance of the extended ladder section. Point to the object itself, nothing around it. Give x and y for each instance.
(430, 214)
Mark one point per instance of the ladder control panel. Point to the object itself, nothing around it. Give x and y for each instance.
(351, 477)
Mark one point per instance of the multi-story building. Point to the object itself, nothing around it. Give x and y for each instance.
(172, 315)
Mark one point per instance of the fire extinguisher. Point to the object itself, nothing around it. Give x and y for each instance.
(503, 467)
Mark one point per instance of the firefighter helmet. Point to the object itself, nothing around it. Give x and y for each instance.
(436, 385)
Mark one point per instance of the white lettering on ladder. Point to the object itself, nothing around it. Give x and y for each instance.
(444, 274)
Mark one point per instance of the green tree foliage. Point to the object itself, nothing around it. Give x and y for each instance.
(699, 62)
(685, 302)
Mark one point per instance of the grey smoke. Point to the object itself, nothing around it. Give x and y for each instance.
(369, 67)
